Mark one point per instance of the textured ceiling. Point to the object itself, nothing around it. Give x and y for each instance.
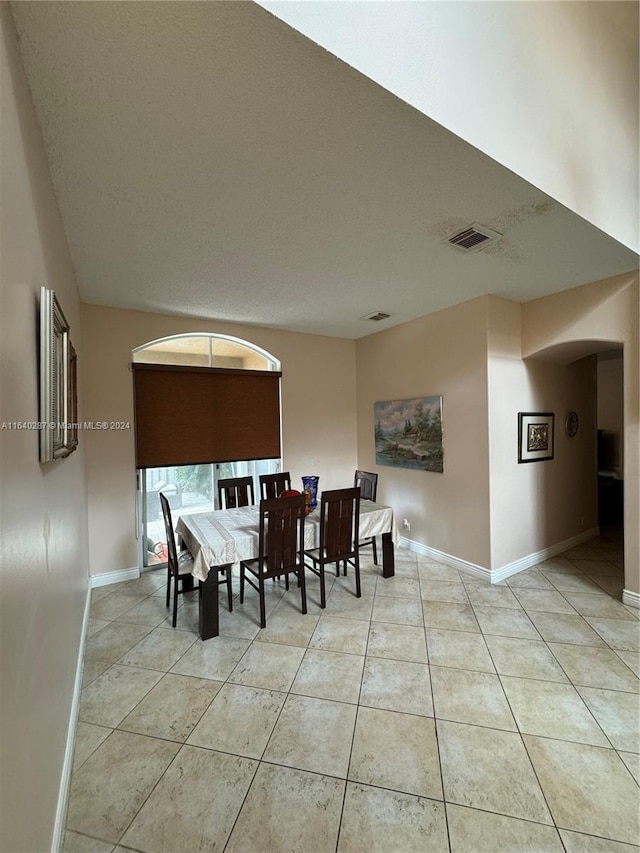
(210, 161)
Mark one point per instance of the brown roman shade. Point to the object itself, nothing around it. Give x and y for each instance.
(194, 415)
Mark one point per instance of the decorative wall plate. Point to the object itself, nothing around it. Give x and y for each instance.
(571, 424)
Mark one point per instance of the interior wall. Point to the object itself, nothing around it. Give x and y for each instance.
(607, 312)
(318, 414)
(43, 520)
(537, 505)
(443, 353)
(505, 76)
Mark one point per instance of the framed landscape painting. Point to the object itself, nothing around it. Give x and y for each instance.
(408, 433)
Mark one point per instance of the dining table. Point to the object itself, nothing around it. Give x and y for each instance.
(226, 536)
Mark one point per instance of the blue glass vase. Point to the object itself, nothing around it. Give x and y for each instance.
(311, 484)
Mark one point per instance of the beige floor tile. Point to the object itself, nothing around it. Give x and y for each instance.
(397, 751)
(435, 590)
(618, 715)
(632, 660)
(428, 572)
(91, 669)
(194, 805)
(290, 810)
(313, 734)
(572, 774)
(505, 622)
(368, 583)
(237, 624)
(240, 720)
(470, 697)
(146, 584)
(611, 584)
(552, 710)
(577, 842)
(450, 615)
(346, 605)
(397, 686)
(474, 831)
(590, 667)
(632, 763)
(572, 583)
(108, 699)
(458, 649)
(113, 605)
(76, 843)
(288, 627)
(160, 649)
(565, 628)
(597, 605)
(490, 770)
(151, 611)
(95, 625)
(215, 658)
(88, 739)
(329, 675)
(529, 579)
(113, 641)
(525, 659)
(398, 642)
(597, 566)
(381, 821)
(172, 708)
(399, 587)
(492, 596)
(620, 635)
(268, 665)
(100, 803)
(557, 564)
(400, 611)
(549, 601)
(340, 635)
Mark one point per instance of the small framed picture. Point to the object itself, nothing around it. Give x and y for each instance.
(535, 436)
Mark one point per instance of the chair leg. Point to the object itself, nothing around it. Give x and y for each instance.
(229, 590)
(241, 584)
(263, 614)
(168, 585)
(375, 551)
(356, 566)
(323, 594)
(303, 587)
(175, 601)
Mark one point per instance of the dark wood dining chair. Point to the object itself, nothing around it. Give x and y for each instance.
(368, 483)
(179, 568)
(339, 519)
(236, 491)
(281, 548)
(271, 485)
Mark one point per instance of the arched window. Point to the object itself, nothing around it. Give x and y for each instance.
(193, 488)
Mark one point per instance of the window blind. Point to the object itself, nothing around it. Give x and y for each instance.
(195, 415)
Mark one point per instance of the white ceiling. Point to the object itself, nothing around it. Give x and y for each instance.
(210, 161)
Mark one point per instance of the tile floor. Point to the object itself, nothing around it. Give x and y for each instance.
(436, 713)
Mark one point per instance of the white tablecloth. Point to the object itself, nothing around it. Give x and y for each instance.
(229, 535)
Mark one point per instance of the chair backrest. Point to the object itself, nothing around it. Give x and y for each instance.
(172, 555)
(282, 532)
(339, 520)
(236, 491)
(271, 485)
(368, 483)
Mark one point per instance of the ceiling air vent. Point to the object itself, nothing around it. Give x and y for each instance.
(376, 316)
(474, 238)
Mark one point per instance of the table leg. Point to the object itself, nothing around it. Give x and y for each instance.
(208, 606)
(388, 559)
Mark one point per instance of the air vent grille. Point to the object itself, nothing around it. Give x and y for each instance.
(474, 238)
(376, 316)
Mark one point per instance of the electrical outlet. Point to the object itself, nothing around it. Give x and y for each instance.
(405, 524)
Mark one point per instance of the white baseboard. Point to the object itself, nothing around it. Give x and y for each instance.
(106, 578)
(57, 841)
(496, 575)
(631, 598)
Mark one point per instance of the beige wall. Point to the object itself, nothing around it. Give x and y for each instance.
(443, 353)
(318, 413)
(43, 524)
(594, 316)
(537, 505)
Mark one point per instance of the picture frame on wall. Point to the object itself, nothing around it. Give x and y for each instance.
(58, 382)
(535, 436)
(408, 433)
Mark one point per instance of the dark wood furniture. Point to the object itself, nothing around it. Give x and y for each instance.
(281, 548)
(179, 568)
(271, 485)
(339, 515)
(368, 483)
(236, 491)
